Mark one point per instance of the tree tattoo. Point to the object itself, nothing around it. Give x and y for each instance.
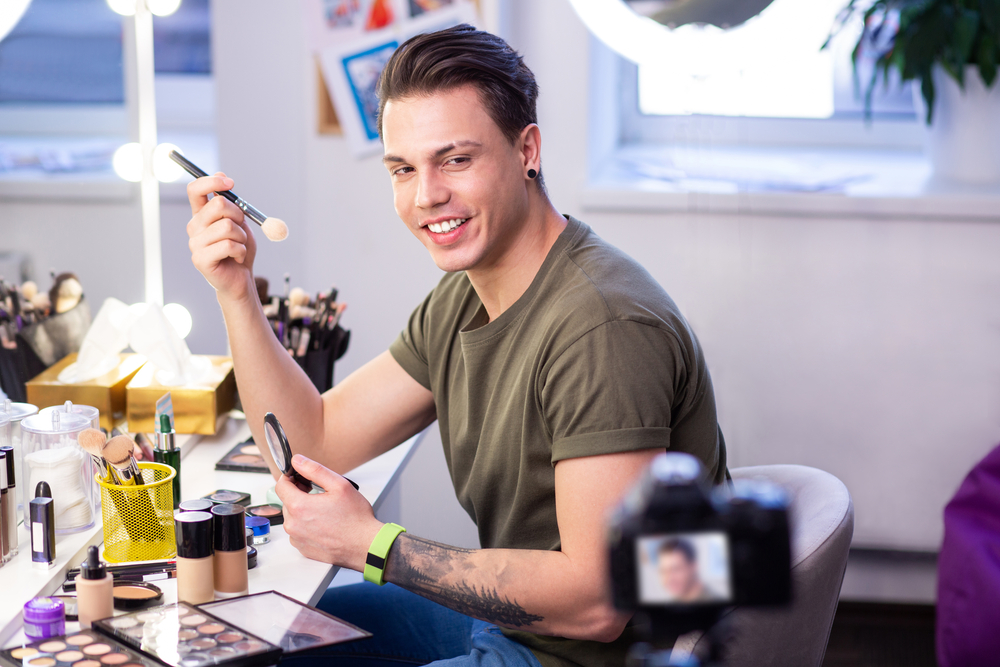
(440, 573)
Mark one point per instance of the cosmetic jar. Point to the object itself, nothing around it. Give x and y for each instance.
(51, 453)
(44, 618)
(195, 557)
(196, 505)
(251, 558)
(16, 412)
(272, 513)
(261, 528)
(230, 551)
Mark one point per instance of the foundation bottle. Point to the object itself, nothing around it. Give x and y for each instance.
(94, 590)
(230, 551)
(195, 579)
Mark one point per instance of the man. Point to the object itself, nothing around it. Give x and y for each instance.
(556, 367)
(677, 565)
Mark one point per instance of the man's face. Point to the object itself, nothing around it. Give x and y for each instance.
(450, 164)
(677, 575)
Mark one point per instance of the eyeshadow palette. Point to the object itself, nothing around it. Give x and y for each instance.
(229, 497)
(83, 649)
(244, 457)
(283, 621)
(180, 635)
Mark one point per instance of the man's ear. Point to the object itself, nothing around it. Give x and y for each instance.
(530, 143)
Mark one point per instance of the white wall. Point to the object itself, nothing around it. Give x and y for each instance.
(868, 348)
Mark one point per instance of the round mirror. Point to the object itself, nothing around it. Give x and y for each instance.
(277, 442)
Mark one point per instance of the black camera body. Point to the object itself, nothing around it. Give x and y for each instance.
(682, 552)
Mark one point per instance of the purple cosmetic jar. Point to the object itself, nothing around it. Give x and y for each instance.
(44, 618)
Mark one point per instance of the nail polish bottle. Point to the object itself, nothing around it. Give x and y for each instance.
(94, 590)
(195, 557)
(231, 578)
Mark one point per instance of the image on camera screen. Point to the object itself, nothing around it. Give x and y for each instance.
(684, 569)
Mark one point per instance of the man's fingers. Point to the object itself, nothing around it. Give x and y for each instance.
(208, 256)
(199, 189)
(217, 209)
(317, 473)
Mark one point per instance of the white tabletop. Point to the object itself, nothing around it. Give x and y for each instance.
(280, 566)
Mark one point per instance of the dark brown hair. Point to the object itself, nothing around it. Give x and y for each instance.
(458, 56)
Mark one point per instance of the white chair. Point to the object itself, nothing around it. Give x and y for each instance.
(822, 524)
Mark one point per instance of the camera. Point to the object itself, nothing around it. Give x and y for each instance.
(682, 552)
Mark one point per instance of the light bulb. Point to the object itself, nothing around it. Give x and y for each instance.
(179, 317)
(127, 162)
(163, 7)
(165, 169)
(123, 7)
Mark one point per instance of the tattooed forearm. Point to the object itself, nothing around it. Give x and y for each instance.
(447, 575)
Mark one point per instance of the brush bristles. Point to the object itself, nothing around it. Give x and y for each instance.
(92, 441)
(118, 451)
(275, 229)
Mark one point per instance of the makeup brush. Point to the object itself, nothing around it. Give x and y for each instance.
(93, 441)
(118, 453)
(273, 228)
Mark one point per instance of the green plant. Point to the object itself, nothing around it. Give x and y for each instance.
(915, 35)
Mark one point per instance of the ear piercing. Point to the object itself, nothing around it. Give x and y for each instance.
(532, 173)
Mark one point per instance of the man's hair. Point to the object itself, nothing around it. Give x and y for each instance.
(676, 545)
(459, 56)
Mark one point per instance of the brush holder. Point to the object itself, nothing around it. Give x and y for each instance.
(51, 453)
(139, 520)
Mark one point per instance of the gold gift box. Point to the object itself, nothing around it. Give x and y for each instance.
(197, 407)
(106, 393)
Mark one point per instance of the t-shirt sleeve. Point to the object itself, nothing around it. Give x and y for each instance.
(612, 390)
(410, 347)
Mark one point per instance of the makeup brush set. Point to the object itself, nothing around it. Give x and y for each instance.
(308, 328)
(38, 328)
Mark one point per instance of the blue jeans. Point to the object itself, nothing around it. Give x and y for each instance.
(410, 630)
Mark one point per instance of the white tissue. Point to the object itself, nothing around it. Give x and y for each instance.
(153, 336)
(106, 338)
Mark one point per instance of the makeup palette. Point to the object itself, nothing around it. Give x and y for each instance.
(281, 620)
(83, 649)
(180, 635)
(135, 594)
(228, 497)
(270, 512)
(244, 457)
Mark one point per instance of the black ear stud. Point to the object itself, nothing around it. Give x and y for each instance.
(532, 173)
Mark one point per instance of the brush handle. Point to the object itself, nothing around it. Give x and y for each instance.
(198, 172)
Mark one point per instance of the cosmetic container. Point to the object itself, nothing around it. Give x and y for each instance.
(165, 451)
(261, 529)
(51, 453)
(8, 508)
(44, 618)
(17, 412)
(230, 551)
(195, 557)
(94, 590)
(94, 416)
(251, 558)
(196, 505)
(43, 528)
(4, 500)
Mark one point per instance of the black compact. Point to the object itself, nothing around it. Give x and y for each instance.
(281, 452)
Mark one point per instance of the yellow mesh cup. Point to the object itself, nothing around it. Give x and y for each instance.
(139, 520)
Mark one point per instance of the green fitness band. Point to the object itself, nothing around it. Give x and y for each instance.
(379, 551)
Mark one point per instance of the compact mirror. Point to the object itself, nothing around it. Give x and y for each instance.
(281, 451)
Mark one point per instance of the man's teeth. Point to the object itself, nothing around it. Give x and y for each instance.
(446, 226)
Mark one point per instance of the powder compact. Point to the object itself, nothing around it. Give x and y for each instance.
(135, 594)
(228, 497)
(244, 457)
(82, 649)
(270, 512)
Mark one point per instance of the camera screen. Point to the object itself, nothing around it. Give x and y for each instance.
(684, 568)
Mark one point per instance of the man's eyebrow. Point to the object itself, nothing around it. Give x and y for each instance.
(444, 150)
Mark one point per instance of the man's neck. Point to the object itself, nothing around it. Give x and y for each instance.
(506, 279)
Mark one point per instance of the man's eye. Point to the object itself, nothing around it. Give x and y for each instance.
(458, 160)
(402, 171)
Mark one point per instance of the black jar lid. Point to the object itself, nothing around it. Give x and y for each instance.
(194, 534)
(251, 558)
(230, 527)
(196, 505)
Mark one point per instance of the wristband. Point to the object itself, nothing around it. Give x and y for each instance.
(379, 551)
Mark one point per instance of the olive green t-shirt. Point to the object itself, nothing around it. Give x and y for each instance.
(594, 358)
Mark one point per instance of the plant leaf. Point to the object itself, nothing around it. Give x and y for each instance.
(990, 12)
(987, 59)
(927, 90)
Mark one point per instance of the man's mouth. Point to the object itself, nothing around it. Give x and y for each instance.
(446, 226)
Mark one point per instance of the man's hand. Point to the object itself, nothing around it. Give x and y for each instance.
(221, 243)
(335, 527)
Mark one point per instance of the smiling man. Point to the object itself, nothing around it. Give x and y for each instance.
(555, 366)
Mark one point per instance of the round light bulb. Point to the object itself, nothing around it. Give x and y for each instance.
(163, 7)
(179, 317)
(127, 162)
(165, 169)
(123, 7)
(11, 12)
